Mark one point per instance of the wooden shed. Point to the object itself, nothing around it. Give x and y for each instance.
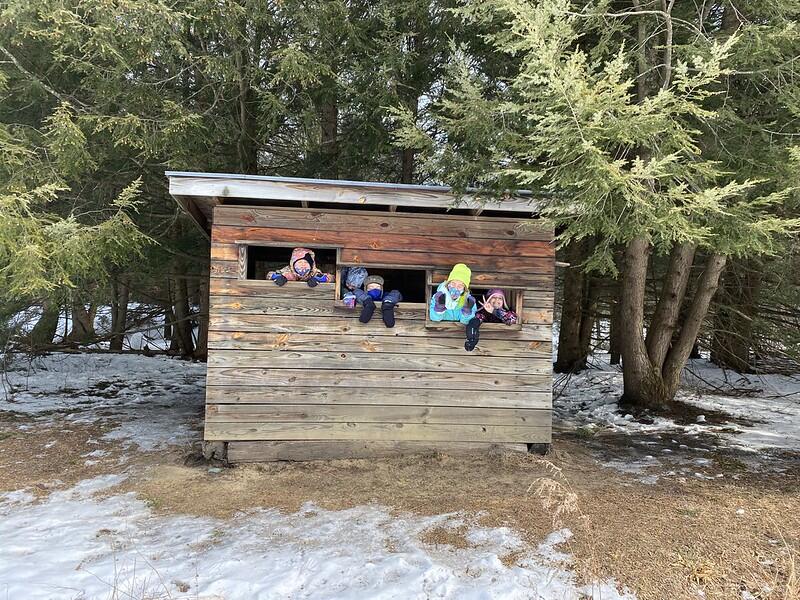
(293, 374)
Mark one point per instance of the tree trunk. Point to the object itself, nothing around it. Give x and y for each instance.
(570, 357)
(329, 115)
(183, 323)
(615, 329)
(201, 351)
(119, 314)
(736, 309)
(82, 323)
(665, 318)
(642, 384)
(680, 351)
(246, 147)
(46, 327)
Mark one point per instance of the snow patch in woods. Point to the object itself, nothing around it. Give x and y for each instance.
(767, 407)
(80, 543)
(152, 401)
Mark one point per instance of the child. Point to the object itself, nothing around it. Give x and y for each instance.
(494, 309)
(373, 291)
(301, 267)
(353, 280)
(453, 302)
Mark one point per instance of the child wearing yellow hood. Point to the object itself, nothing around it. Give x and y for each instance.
(453, 302)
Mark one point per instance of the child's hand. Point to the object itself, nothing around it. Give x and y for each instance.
(439, 305)
(469, 304)
(279, 279)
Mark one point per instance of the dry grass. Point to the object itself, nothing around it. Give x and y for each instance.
(665, 541)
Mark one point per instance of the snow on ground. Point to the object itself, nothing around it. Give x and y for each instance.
(80, 543)
(765, 409)
(152, 401)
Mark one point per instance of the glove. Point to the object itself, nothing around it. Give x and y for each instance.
(312, 282)
(469, 304)
(439, 305)
(499, 313)
(279, 279)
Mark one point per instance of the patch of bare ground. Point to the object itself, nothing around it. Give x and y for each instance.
(46, 456)
(671, 540)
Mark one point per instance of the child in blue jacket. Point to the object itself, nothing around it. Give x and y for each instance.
(453, 302)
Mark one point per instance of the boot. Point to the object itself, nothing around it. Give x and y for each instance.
(387, 311)
(473, 333)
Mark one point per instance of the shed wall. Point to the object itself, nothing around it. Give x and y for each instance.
(285, 365)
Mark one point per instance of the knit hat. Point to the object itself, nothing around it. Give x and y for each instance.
(355, 277)
(373, 279)
(462, 273)
(496, 292)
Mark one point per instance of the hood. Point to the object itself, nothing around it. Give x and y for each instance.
(300, 254)
(355, 277)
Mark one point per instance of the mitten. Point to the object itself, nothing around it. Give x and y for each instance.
(499, 313)
(469, 304)
(279, 279)
(367, 310)
(439, 305)
(312, 282)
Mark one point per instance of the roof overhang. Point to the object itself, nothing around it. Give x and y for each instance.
(199, 193)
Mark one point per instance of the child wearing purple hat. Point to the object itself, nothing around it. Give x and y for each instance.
(494, 309)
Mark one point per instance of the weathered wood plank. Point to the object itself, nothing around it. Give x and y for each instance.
(377, 379)
(243, 394)
(490, 279)
(377, 361)
(375, 240)
(508, 265)
(342, 192)
(272, 324)
(298, 307)
(376, 431)
(491, 345)
(267, 451)
(440, 225)
(353, 413)
(262, 288)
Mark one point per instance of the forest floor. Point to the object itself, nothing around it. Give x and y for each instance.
(97, 499)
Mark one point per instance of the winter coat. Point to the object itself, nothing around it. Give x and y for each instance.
(292, 275)
(455, 310)
(509, 317)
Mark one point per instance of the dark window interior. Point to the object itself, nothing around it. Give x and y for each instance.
(410, 282)
(263, 259)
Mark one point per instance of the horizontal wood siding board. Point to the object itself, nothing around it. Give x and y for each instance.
(262, 288)
(489, 279)
(377, 361)
(256, 394)
(224, 237)
(450, 226)
(336, 324)
(354, 413)
(298, 307)
(497, 345)
(307, 376)
(376, 431)
(265, 451)
(508, 265)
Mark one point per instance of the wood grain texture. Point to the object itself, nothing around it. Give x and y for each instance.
(338, 324)
(254, 394)
(378, 361)
(376, 431)
(351, 413)
(376, 379)
(496, 264)
(494, 345)
(439, 224)
(309, 308)
(345, 193)
(266, 451)
(490, 279)
(375, 240)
